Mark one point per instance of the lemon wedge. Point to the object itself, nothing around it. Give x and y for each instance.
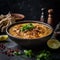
(53, 43)
(3, 37)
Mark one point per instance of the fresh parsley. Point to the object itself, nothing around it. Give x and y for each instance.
(27, 27)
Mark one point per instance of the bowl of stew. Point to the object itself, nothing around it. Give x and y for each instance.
(29, 33)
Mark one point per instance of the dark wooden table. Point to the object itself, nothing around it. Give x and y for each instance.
(12, 44)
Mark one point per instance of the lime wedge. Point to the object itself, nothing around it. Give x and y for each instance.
(3, 37)
(53, 43)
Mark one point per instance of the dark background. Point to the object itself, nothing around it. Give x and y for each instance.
(31, 8)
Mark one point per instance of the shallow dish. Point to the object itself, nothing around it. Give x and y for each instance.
(17, 16)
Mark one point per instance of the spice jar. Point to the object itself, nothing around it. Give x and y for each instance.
(50, 19)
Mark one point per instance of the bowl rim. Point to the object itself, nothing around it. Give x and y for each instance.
(27, 22)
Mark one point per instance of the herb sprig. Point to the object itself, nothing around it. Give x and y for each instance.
(27, 27)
